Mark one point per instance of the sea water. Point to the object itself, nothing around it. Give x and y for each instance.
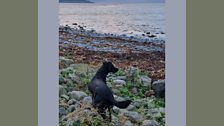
(129, 19)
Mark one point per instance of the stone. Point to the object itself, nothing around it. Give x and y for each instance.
(74, 78)
(62, 90)
(77, 95)
(74, 24)
(121, 78)
(128, 123)
(62, 111)
(114, 120)
(70, 89)
(130, 107)
(77, 105)
(155, 112)
(137, 103)
(70, 122)
(115, 109)
(65, 97)
(62, 80)
(159, 88)
(134, 90)
(71, 108)
(152, 36)
(119, 82)
(162, 110)
(72, 102)
(146, 81)
(134, 117)
(149, 93)
(150, 123)
(117, 98)
(87, 100)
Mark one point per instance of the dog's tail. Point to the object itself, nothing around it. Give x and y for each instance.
(122, 104)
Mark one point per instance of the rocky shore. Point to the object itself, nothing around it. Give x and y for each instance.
(140, 77)
(83, 46)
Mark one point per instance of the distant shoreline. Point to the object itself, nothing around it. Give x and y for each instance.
(75, 1)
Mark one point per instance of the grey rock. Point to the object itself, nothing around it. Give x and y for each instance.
(134, 117)
(77, 105)
(74, 78)
(88, 112)
(77, 95)
(115, 120)
(162, 110)
(119, 82)
(137, 103)
(87, 100)
(117, 98)
(150, 123)
(116, 109)
(147, 32)
(65, 97)
(62, 80)
(155, 112)
(69, 122)
(130, 107)
(71, 108)
(72, 102)
(146, 81)
(124, 112)
(128, 123)
(134, 90)
(70, 89)
(62, 90)
(159, 88)
(132, 71)
(121, 78)
(164, 120)
(62, 111)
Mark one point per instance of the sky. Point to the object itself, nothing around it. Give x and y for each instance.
(127, 1)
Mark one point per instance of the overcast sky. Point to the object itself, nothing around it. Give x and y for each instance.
(128, 1)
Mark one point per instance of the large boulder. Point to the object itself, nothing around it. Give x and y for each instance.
(159, 88)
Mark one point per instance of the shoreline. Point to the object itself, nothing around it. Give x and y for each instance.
(138, 36)
(88, 46)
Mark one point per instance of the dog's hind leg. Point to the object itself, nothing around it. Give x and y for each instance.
(102, 113)
(110, 112)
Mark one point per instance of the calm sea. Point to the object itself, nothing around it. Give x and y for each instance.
(129, 19)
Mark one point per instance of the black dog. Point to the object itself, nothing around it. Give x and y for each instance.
(101, 94)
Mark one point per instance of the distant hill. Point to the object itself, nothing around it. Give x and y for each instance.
(74, 1)
(128, 1)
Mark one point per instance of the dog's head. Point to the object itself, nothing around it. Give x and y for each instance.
(110, 67)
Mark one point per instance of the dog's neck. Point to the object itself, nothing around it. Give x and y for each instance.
(101, 74)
